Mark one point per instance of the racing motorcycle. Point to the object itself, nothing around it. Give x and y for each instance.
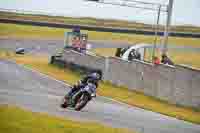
(80, 99)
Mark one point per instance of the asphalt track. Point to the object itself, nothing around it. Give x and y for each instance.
(36, 92)
(50, 46)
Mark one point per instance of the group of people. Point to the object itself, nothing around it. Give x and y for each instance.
(136, 55)
(164, 60)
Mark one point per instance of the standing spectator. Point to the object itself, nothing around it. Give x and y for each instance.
(166, 60)
(138, 55)
(83, 44)
(156, 60)
(132, 55)
(76, 43)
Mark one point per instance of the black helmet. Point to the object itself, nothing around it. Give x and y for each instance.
(164, 55)
(96, 75)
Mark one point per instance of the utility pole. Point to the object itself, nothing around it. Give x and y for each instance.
(156, 31)
(167, 27)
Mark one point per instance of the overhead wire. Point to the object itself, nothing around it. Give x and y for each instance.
(133, 6)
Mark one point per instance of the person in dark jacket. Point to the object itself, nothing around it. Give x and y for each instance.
(166, 60)
(138, 55)
(134, 54)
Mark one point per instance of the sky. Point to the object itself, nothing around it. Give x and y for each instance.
(185, 12)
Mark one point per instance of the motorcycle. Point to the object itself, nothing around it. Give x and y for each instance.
(80, 99)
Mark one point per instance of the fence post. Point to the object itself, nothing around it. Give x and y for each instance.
(106, 70)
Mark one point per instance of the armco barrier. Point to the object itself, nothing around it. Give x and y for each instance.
(119, 73)
(177, 85)
(165, 82)
(187, 86)
(196, 89)
(143, 77)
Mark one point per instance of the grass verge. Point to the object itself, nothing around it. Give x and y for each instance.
(36, 32)
(95, 22)
(106, 89)
(14, 119)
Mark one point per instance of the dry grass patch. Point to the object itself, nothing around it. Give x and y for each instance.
(14, 119)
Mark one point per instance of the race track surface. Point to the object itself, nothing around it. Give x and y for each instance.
(49, 47)
(36, 92)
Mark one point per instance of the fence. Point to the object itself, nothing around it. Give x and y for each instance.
(177, 85)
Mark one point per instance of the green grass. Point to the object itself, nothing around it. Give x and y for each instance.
(190, 59)
(19, 31)
(24, 31)
(16, 120)
(40, 63)
(95, 22)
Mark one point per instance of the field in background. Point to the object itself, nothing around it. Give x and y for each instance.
(41, 64)
(35, 32)
(96, 22)
(14, 119)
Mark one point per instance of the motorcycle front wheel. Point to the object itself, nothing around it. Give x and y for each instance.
(82, 101)
(65, 102)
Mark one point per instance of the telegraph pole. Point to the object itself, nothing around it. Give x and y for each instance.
(167, 27)
(156, 31)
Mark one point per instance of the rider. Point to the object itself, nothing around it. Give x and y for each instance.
(94, 77)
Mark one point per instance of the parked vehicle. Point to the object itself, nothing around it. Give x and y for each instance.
(20, 51)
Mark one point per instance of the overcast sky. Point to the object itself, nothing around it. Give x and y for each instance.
(185, 11)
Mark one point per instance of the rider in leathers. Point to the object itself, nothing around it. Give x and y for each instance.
(94, 77)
